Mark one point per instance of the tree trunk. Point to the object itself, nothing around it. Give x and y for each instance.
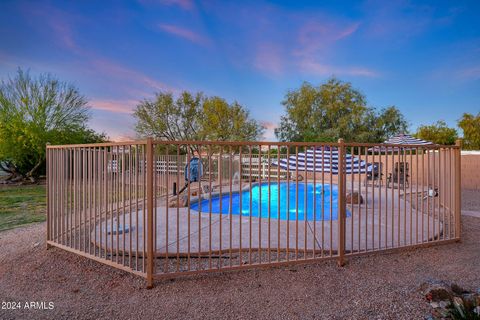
(30, 174)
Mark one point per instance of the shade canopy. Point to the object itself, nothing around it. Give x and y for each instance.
(400, 139)
(323, 159)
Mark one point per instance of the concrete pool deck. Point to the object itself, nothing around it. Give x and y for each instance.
(365, 230)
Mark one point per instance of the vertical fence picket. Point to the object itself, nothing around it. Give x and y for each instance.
(458, 183)
(341, 215)
(149, 223)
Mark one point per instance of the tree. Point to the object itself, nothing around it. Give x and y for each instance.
(470, 125)
(221, 121)
(34, 112)
(335, 110)
(168, 119)
(194, 117)
(387, 123)
(438, 133)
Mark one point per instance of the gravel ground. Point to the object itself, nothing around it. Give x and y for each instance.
(381, 286)
(471, 199)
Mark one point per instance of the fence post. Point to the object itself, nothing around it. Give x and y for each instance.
(47, 157)
(149, 225)
(219, 169)
(341, 203)
(458, 190)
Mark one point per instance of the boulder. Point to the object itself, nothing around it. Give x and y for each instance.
(182, 201)
(172, 202)
(297, 177)
(437, 291)
(457, 289)
(440, 294)
(354, 198)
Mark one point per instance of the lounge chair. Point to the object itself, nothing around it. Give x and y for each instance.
(375, 175)
(399, 176)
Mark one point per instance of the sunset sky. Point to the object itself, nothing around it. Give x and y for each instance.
(423, 57)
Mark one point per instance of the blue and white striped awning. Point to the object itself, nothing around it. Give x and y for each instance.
(406, 139)
(321, 160)
(400, 139)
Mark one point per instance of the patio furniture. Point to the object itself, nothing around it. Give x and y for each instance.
(375, 174)
(432, 193)
(400, 144)
(399, 176)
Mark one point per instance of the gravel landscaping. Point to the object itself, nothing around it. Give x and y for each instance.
(471, 199)
(381, 286)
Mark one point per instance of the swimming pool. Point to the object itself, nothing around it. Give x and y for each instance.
(324, 208)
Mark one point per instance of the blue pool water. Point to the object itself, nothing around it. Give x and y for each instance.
(324, 210)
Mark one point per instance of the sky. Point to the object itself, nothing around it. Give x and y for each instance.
(421, 56)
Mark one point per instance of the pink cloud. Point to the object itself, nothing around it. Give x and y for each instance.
(325, 32)
(268, 125)
(183, 4)
(313, 67)
(360, 71)
(471, 73)
(314, 36)
(59, 21)
(122, 137)
(119, 126)
(313, 42)
(128, 79)
(63, 34)
(102, 66)
(399, 20)
(184, 33)
(117, 106)
(277, 41)
(347, 31)
(268, 59)
(269, 133)
(115, 71)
